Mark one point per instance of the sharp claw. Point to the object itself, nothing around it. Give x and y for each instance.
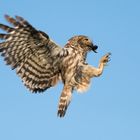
(109, 59)
(107, 55)
(106, 58)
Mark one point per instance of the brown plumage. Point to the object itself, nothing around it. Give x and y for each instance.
(41, 63)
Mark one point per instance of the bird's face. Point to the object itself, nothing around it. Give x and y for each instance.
(86, 44)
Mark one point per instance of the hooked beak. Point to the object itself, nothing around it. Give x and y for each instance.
(94, 48)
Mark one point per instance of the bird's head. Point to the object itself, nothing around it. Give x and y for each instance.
(83, 42)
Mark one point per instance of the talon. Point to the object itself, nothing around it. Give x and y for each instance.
(109, 59)
(106, 58)
(109, 53)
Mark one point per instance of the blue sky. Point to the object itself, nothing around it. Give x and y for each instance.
(110, 109)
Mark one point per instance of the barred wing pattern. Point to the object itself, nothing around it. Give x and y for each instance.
(31, 53)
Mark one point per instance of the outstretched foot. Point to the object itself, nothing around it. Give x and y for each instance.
(105, 58)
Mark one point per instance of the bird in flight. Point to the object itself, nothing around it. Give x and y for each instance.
(41, 63)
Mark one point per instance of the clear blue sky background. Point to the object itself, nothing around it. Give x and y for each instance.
(110, 109)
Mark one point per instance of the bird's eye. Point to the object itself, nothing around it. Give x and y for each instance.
(86, 39)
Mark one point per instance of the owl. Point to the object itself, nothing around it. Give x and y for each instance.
(41, 63)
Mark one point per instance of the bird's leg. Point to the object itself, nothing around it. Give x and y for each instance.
(65, 99)
(95, 72)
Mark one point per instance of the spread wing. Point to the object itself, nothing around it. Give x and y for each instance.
(31, 53)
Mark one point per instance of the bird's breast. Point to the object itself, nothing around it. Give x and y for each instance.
(69, 65)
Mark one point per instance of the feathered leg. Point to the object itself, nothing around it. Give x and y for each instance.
(65, 99)
(95, 72)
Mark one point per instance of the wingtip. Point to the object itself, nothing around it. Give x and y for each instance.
(6, 16)
(19, 17)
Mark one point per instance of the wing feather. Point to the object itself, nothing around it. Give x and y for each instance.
(31, 53)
